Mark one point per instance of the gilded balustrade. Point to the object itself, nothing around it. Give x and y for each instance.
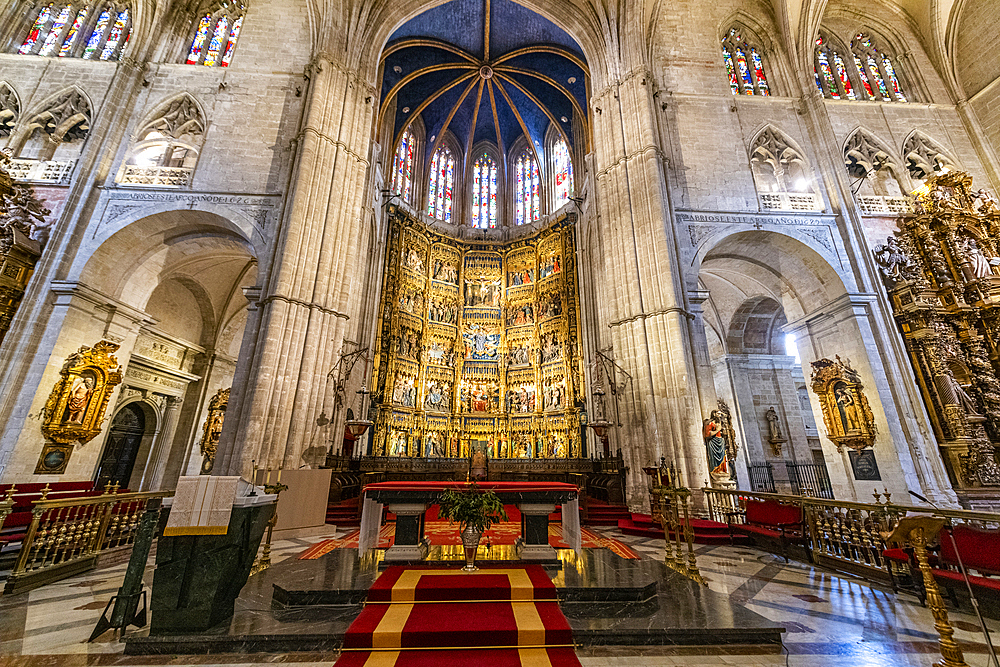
(67, 536)
(843, 535)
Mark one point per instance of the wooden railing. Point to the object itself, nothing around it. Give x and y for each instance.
(845, 536)
(68, 536)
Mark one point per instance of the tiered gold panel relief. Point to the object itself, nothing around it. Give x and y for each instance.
(477, 346)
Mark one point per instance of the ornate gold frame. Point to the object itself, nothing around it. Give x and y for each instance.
(846, 413)
(74, 412)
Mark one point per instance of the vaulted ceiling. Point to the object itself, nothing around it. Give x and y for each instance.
(484, 70)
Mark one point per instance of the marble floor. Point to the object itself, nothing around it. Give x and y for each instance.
(831, 619)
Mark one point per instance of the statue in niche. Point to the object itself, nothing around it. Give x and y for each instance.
(982, 267)
(848, 409)
(774, 431)
(954, 393)
(445, 272)
(438, 396)
(79, 398)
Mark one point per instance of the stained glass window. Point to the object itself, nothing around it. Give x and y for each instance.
(758, 72)
(730, 69)
(74, 32)
(72, 29)
(864, 78)
(56, 32)
(402, 168)
(115, 36)
(845, 81)
(440, 193)
(824, 68)
(526, 189)
(484, 193)
(215, 45)
(562, 168)
(200, 36)
(214, 41)
(744, 65)
(876, 70)
(41, 21)
(231, 46)
(97, 36)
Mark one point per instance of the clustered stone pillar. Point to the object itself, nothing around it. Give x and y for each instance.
(306, 298)
(642, 292)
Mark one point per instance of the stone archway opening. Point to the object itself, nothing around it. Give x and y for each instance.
(758, 283)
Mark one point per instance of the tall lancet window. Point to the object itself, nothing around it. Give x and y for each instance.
(402, 168)
(744, 65)
(527, 198)
(832, 77)
(77, 30)
(441, 188)
(562, 169)
(484, 193)
(215, 35)
(878, 76)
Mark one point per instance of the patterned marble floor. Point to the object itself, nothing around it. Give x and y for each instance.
(831, 619)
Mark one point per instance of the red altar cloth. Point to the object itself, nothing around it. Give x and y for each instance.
(496, 487)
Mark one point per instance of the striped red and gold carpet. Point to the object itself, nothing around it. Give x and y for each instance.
(496, 617)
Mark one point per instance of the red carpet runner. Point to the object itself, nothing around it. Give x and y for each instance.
(433, 617)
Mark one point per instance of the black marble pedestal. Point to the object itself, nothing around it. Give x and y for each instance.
(199, 577)
(307, 605)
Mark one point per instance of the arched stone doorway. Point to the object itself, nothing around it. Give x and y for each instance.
(763, 288)
(129, 428)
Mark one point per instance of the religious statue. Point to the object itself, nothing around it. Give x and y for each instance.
(715, 444)
(982, 267)
(477, 466)
(848, 409)
(79, 397)
(955, 394)
(774, 431)
(212, 430)
(984, 203)
(893, 262)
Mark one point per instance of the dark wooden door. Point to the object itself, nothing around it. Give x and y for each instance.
(123, 443)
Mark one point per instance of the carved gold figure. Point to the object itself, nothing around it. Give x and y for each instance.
(212, 430)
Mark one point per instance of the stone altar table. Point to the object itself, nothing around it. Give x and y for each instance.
(409, 502)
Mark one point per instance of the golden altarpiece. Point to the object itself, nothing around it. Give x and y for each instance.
(478, 347)
(941, 272)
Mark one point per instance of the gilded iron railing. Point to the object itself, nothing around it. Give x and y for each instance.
(6, 505)
(843, 535)
(67, 536)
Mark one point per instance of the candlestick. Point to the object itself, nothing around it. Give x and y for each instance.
(267, 476)
(279, 475)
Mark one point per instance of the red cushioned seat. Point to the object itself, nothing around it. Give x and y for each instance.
(773, 520)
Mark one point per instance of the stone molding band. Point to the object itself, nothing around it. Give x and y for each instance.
(304, 304)
(643, 316)
(650, 148)
(333, 142)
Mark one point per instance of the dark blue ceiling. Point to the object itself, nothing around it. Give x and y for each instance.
(544, 72)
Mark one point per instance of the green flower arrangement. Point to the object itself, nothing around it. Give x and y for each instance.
(472, 507)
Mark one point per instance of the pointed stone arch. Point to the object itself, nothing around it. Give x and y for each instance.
(10, 109)
(68, 113)
(923, 156)
(166, 147)
(778, 164)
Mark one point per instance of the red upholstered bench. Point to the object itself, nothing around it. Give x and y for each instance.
(772, 520)
(980, 551)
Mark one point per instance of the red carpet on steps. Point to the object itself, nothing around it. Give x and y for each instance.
(496, 617)
(705, 532)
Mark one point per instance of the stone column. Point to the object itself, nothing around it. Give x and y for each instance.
(644, 306)
(306, 297)
(165, 466)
